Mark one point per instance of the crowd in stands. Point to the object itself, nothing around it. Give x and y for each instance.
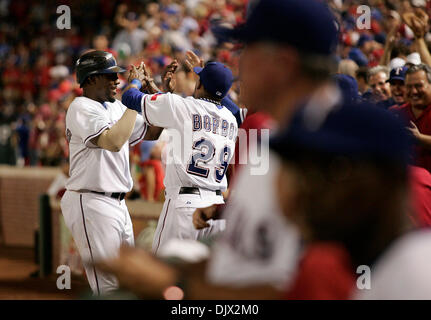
(37, 80)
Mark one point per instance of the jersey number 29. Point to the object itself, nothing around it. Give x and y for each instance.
(205, 153)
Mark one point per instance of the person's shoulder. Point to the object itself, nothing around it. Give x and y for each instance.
(257, 120)
(83, 102)
(227, 114)
(117, 104)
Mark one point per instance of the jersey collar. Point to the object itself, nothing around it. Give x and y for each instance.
(218, 104)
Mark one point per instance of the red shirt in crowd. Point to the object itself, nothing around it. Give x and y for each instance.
(325, 273)
(423, 122)
(159, 173)
(257, 121)
(420, 184)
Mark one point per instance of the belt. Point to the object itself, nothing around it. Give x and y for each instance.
(115, 195)
(193, 190)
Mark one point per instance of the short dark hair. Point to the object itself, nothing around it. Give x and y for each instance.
(362, 73)
(420, 67)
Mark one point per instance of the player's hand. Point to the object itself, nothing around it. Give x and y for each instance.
(192, 60)
(202, 215)
(139, 271)
(149, 83)
(169, 81)
(136, 73)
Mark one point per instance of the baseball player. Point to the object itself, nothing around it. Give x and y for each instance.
(99, 130)
(195, 174)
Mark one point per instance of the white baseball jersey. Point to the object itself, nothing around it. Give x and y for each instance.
(401, 273)
(203, 138)
(258, 246)
(91, 167)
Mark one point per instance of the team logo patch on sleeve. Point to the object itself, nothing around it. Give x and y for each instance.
(154, 97)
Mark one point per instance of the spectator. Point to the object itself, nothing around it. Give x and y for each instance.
(348, 67)
(380, 88)
(417, 112)
(398, 89)
(361, 78)
(151, 181)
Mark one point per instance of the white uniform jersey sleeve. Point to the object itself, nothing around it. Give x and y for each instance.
(138, 131)
(161, 109)
(258, 246)
(87, 121)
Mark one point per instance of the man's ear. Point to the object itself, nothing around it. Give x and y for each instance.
(198, 84)
(93, 79)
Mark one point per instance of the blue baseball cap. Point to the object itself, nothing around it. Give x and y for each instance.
(348, 86)
(358, 56)
(363, 39)
(358, 131)
(308, 25)
(398, 74)
(216, 78)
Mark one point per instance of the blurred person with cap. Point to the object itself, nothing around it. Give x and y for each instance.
(204, 134)
(280, 72)
(323, 172)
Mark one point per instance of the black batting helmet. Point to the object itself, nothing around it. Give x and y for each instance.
(95, 62)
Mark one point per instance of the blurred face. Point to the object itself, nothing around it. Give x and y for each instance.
(418, 89)
(106, 86)
(398, 90)
(265, 73)
(380, 88)
(100, 43)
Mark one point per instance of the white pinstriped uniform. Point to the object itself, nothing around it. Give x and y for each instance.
(203, 136)
(99, 224)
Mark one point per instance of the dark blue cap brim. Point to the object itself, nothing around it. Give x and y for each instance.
(395, 78)
(237, 34)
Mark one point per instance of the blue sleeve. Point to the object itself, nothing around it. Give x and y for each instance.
(132, 99)
(236, 111)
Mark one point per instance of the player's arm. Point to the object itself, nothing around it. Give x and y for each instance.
(147, 276)
(114, 138)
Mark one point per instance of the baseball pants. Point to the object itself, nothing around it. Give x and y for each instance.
(176, 218)
(99, 225)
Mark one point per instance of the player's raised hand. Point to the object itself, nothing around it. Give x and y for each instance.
(136, 73)
(169, 81)
(192, 60)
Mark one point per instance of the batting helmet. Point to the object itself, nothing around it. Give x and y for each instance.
(96, 62)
